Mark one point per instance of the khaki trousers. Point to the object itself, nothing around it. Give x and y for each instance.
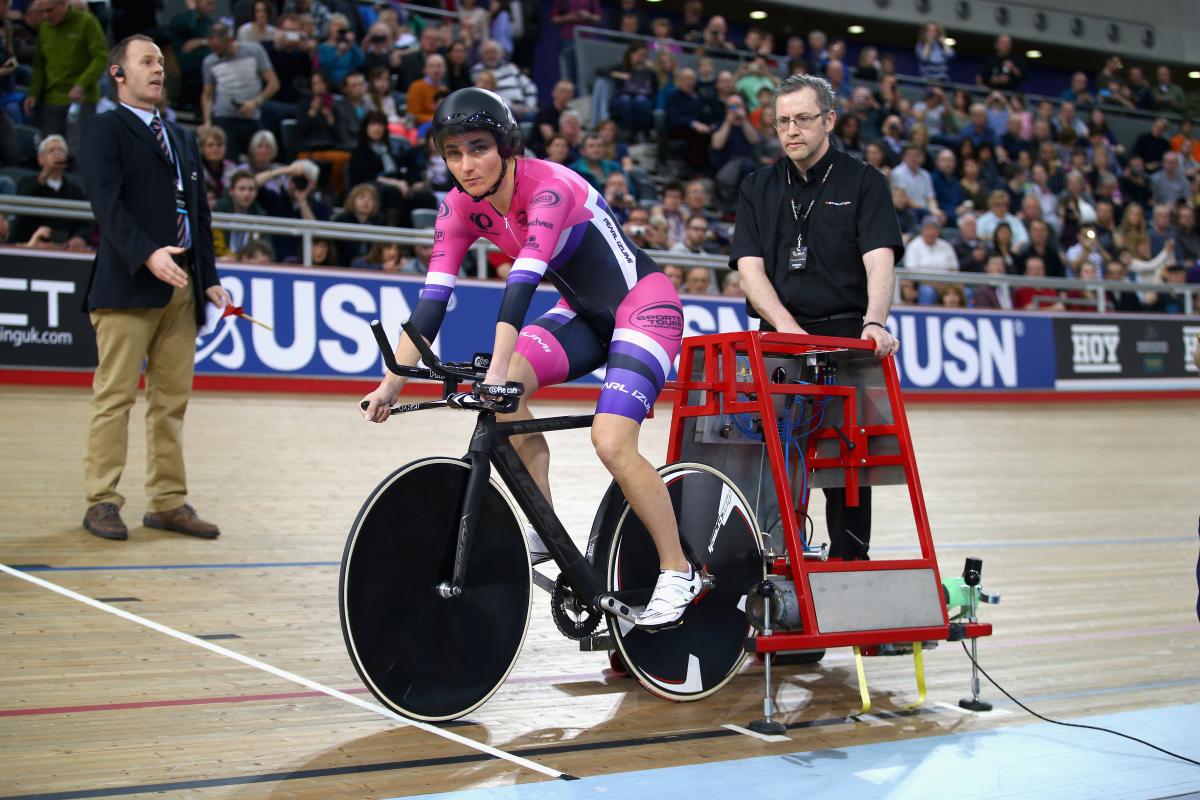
(164, 340)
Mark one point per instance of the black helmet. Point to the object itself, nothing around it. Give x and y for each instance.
(473, 109)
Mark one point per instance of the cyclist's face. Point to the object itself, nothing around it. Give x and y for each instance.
(473, 160)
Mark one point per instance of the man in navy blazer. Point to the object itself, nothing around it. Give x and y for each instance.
(153, 274)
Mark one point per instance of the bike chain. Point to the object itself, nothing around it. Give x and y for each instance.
(566, 613)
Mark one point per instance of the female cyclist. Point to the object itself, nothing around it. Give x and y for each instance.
(617, 308)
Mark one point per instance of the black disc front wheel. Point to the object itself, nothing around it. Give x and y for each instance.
(720, 533)
(423, 655)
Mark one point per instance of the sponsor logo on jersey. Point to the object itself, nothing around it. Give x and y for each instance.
(533, 336)
(482, 221)
(540, 223)
(546, 197)
(615, 386)
(522, 219)
(443, 210)
(662, 319)
(439, 237)
(531, 243)
(617, 240)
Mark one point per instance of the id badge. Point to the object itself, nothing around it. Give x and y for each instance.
(798, 258)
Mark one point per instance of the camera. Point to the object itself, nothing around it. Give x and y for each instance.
(292, 36)
(300, 182)
(637, 230)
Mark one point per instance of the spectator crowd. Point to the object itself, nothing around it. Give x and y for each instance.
(320, 110)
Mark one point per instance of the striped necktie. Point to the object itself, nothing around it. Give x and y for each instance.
(180, 214)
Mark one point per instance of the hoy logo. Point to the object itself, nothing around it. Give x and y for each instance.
(1094, 348)
(1190, 344)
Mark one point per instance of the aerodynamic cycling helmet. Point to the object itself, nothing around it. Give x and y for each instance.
(473, 109)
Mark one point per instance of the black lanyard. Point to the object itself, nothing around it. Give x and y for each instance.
(802, 221)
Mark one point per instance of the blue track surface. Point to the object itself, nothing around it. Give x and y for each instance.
(1031, 761)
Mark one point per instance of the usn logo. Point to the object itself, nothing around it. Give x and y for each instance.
(1094, 348)
(546, 197)
(443, 210)
(662, 319)
(482, 221)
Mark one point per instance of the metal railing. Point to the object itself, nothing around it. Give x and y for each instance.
(308, 230)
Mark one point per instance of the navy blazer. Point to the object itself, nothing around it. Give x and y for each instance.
(131, 186)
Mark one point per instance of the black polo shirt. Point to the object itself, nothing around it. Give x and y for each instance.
(853, 214)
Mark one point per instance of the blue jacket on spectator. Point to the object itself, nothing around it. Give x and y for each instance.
(977, 136)
(949, 194)
(607, 167)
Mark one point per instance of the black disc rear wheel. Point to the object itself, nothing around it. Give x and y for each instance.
(425, 656)
(719, 530)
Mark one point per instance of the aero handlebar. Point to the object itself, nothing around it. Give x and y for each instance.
(482, 397)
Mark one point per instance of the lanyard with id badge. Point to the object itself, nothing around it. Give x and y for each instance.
(798, 255)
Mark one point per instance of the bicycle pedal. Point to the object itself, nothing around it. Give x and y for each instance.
(614, 605)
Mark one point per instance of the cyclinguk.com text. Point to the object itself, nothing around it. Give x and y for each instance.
(18, 337)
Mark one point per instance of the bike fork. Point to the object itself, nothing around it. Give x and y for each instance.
(468, 524)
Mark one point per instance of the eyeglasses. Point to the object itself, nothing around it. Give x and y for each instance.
(803, 121)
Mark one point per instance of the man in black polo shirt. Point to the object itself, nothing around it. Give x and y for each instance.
(816, 244)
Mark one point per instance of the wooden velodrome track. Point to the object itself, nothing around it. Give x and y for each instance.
(1084, 515)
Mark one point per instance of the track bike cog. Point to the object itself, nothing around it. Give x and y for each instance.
(574, 621)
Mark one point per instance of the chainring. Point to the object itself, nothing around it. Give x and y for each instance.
(572, 621)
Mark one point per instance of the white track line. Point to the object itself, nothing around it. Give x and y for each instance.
(281, 673)
(766, 737)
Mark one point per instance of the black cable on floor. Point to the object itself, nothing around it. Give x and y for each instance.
(992, 681)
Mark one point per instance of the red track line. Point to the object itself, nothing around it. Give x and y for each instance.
(1089, 637)
(249, 698)
(562, 678)
(186, 701)
(587, 392)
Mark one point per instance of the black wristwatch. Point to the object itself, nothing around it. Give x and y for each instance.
(869, 323)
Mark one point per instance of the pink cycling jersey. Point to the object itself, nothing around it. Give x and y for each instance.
(559, 227)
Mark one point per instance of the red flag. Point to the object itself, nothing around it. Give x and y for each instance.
(237, 311)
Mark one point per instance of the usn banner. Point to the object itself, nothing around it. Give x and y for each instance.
(320, 321)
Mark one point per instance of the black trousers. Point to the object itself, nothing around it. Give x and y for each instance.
(849, 527)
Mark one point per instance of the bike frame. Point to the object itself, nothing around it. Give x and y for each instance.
(491, 445)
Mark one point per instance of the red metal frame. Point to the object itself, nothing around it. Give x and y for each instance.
(721, 386)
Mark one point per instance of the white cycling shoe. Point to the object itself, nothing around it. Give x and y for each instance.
(673, 592)
(538, 552)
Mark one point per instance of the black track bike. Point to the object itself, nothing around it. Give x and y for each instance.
(436, 580)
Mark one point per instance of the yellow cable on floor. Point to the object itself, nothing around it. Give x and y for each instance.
(919, 663)
(862, 683)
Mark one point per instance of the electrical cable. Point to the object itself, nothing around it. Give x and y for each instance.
(992, 681)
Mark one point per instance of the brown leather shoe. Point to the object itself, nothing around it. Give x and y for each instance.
(181, 520)
(104, 520)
